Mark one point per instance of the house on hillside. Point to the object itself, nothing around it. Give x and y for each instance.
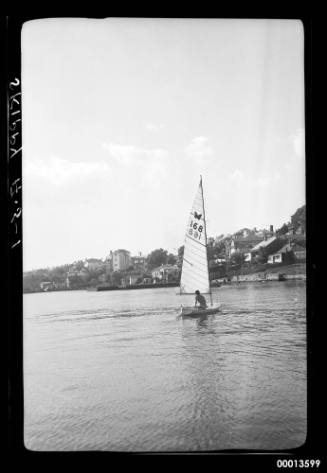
(290, 251)
(268, 246)
(119, 260)
(46, 286)
(242, 245)
(299, 251)
(93, 263)
(133, 277)
(280, 255)
(165, 273)
(296, 229)
(60, 284)
(76, 273)
(139, 263)
(243, 233)
(220, 260)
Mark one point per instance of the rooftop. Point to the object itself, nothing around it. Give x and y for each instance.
(166, 266)
(248, 239)
(297, 247)
(283, 249)
(264, 243)
(121, 251)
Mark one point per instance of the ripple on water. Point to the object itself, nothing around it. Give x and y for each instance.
(123, 372)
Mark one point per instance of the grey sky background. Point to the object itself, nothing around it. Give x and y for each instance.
(121, 116)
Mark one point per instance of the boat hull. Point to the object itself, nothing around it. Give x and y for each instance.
(196, 312)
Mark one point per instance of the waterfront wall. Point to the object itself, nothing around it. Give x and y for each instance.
(263, 276)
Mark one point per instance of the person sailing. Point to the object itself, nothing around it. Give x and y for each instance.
(200, 299)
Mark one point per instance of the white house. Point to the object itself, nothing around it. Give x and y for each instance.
(165, 271)
(278, 256)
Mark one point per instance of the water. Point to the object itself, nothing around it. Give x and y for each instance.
(118, 371)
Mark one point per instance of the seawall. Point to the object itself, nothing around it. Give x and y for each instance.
(265, 276)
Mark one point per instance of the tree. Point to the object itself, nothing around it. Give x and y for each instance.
(289, 257)
(79, 264)
(180, 256)
(282, 230)
(210, 248)
(262, 256)
(116, 278)
(220, 247)
(237, 258)
(157, 258)
(33, 279)
(299, 219)
(171, 259)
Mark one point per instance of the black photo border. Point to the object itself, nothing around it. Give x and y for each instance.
(12, 166)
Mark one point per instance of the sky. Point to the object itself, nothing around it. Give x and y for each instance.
(121, 117)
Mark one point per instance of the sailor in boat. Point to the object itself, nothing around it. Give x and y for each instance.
(199, 299)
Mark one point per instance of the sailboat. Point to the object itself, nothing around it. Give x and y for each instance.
(195, 268)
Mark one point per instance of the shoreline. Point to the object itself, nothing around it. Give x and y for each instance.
(268, 277)
(234, 281)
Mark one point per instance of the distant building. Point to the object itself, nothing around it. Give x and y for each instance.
(93, 263)
(52, 285)
(280, 255)
(165, 273)
(247, 257)
(220, 260)
(299, 251)
(139, 263)
(270, 245)
(242, 245)
(299, 239)
(76, 273)
(61, 284)
(108, 264)
(121, 260)
(287, 251)
(243, 233)
(46, 286)
(291, 229)
(130, 279)
(146, 281)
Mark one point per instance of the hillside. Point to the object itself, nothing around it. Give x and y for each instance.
(222, 262)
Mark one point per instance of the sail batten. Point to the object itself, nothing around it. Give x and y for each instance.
(195, 271)
(198, 242)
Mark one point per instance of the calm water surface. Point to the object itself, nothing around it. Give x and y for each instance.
(119, 371)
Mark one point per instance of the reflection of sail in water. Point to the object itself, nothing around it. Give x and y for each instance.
(195, 268)
(206, 398)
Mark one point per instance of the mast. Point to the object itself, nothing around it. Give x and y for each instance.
(206, 242)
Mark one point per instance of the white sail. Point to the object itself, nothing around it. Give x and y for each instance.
(195, 272)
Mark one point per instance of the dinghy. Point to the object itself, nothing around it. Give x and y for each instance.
(195, 268)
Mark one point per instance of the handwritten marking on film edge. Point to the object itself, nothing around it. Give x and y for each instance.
(15, 148)
(14, 123)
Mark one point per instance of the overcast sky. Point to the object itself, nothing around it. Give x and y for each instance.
(121, 116)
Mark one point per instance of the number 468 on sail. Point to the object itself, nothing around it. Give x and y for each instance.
(195, 230)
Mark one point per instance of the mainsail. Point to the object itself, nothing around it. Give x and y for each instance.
(195, 271)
